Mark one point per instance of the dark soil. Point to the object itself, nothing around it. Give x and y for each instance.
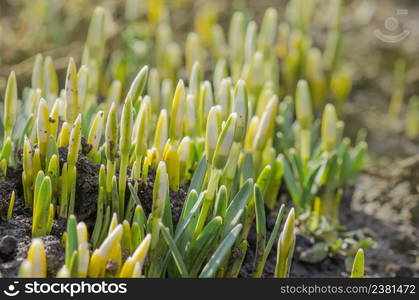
(145, 194)
(385, 202)
(15, 234)
(331, 266)
(385, 211)
(87, 186)
(387, 222)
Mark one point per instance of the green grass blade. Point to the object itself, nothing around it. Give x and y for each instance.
(271, 241)
(204, 243)
(260, 226)
(358, 266)
(199, 176)
(291, 184)
(218, 257)
(190, 201)
(174, 250)
(236, 207)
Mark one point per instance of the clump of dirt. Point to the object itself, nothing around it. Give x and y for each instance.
(176, 202)
(13, 183)
(145, 194)
(6, 189)
(145, 191)
(7, 247)
(86, 185)
(18, 249)
(16, 233)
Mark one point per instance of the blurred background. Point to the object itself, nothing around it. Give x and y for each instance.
(59, 28)
(376, 35)
(381, 46)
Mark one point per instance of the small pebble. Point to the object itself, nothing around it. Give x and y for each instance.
(7, 247)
